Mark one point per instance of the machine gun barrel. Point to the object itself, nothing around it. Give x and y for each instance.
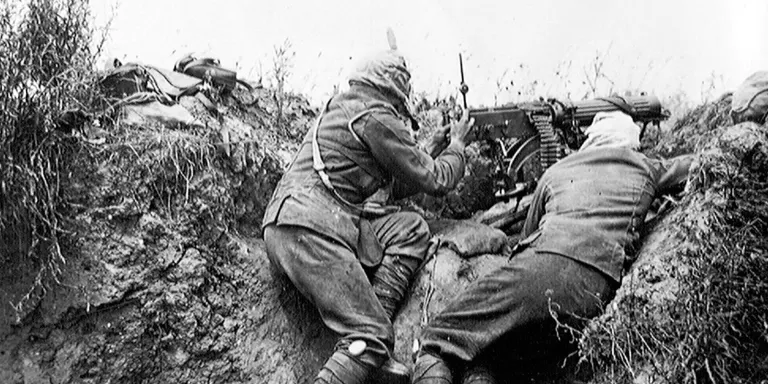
(641, 108)
(515, 121)
(548, 130)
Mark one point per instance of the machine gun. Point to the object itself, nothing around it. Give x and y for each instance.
(533, 136)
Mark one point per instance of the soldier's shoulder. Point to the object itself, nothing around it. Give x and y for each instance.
(378, 108)
(384, 114)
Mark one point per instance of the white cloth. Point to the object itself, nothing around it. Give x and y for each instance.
(388, 72)
(156, 112)
(612, 130)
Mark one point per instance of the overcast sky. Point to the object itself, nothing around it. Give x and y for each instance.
(659, 46)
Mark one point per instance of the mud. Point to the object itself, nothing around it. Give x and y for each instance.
(162, 280)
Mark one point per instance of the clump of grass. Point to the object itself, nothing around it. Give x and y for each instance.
(46, 61)
(691, 127)
(714, 327)
(156, 166)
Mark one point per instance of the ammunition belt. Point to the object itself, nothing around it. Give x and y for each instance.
(549, 148)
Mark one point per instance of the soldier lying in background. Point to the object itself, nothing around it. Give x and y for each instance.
(581, 232)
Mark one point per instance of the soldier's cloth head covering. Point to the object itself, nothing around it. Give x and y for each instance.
(612, 130)
(386, 71)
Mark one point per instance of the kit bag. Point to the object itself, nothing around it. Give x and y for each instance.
(131, 80)
(125, 80)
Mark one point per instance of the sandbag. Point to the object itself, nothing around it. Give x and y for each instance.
(174, 84)
(469, 238)
(125, 80)
(156, 112)
(750, 100)
(133, 78)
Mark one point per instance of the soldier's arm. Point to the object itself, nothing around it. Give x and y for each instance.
(536, 210)
(414, 170)
(438, 142)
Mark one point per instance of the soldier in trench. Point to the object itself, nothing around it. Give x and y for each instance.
(581, 232)
(328, 226)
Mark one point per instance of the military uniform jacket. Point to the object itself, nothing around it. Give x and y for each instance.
(365, 147)
(591, 205)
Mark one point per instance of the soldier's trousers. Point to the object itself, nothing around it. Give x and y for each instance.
(330, 275)
(510, 311)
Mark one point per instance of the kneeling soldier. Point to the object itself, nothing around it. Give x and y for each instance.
(328, 226)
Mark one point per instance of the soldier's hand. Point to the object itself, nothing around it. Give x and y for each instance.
(439, 141)
(442, 136)
(461, 129)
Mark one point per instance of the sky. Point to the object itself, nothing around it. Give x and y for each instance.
(513, 50)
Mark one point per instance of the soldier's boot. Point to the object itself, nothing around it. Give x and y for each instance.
(431, 369)
(478, 374)
(393, 372)
(390, 284)
(343, 368)
(391, 281)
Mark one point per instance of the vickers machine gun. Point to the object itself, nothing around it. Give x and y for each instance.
(533, 136)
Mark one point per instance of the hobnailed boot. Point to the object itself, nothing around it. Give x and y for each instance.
(478, 374)
(342, 368)
(431, 369)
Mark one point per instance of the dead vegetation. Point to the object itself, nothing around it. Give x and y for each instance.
(170, 160)
(46, 55)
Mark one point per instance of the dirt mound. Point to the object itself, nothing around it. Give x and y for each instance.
(156, 285)
(693, 308)
(687, 132)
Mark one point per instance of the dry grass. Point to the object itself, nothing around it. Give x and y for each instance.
(156, 165)
(46, 57)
